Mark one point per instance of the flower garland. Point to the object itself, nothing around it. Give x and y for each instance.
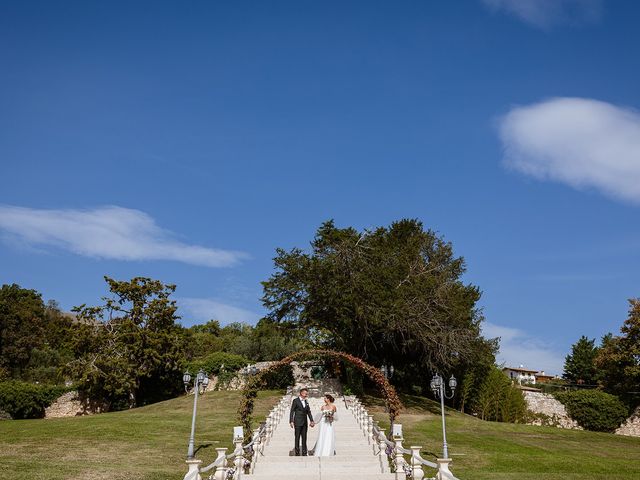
(255, 383)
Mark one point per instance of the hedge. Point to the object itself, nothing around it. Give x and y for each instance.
(212, 363)
(593, 409)
(27, 400)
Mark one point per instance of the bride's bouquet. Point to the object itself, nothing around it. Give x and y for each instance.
(328, 415)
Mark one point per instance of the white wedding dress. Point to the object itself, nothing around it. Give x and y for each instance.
(326, 443)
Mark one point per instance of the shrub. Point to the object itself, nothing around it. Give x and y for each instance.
(279, 378)
(500, 401)
(212, 363)
(27, 400)
(593, 409)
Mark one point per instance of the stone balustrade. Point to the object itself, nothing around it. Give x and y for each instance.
(244, 457)
(393, 457)
(392, 452)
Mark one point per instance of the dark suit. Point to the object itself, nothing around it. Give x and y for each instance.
(298, 416)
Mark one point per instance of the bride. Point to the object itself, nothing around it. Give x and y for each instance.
(326, 443)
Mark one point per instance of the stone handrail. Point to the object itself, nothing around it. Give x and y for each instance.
(392, 452)
(233, 465)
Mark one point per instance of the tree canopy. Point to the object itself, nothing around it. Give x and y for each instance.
(393, 295)
(619, 358)
(579, 365)
(136, 352)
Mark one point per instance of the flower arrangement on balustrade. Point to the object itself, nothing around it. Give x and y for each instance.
(256, 382)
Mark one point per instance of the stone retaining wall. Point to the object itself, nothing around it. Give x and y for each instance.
(631, 427)
(70, 405)
(550, 412)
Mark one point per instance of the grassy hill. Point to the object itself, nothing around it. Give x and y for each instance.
(148, 443)
(489, 450)
(151, 443)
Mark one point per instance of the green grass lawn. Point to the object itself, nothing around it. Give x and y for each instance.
(151, 443)
(488, 450)
(142, 444)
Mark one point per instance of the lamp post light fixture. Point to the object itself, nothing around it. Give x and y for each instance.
(387, 371)
(440, 391)
(200, 383)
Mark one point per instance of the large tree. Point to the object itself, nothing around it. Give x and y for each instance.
(136, 351)
(22, 322)
(392, 295)
(619, 358)
(579, 365)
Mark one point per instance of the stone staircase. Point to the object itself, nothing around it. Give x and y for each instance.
(354, 459)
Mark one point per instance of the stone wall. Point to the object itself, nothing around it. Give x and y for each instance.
(549, 411)
(631, 427)
(71, 405)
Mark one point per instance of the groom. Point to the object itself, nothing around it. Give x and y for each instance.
(300, 410)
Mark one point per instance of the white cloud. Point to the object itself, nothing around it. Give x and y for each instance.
(204, 309)
(580, 142)
(547, 13)
(520, 348)
(107, 232)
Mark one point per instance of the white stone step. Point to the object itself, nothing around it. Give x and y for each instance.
(319, 476)
(354, 459)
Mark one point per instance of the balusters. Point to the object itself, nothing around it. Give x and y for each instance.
(443, 469)
(416, 466)
(257, 446)
(369, 428)
(382, 445)
(398, 460)
(194, 469)
(221, 470)
(238, 462)
(269, 431)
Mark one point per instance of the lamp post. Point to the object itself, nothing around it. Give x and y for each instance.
(387, 371)
(440, 391)
(200, 382)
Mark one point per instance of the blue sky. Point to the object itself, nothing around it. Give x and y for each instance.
(185, 141)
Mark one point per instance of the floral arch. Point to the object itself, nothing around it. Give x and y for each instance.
(255, 383)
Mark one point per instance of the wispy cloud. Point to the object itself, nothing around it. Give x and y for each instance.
(204, 309)
(107, 232)
(521, 348)
(548, 13)
(581, 142)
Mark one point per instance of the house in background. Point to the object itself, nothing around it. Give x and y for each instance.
(521, 375)
(542, 377)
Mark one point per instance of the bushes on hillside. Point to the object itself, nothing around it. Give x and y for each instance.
(593, 409)
(214, 363)
(26, 400)
(280, 378)
(500, 401)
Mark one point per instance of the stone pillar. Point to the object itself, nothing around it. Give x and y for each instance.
(382, 445)
(256, 452)
(269, 428)
(239, 460)
(221, 470)
(416, 466)
(398, 459)
(443, 469)
(194, 470)
(369, 428)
